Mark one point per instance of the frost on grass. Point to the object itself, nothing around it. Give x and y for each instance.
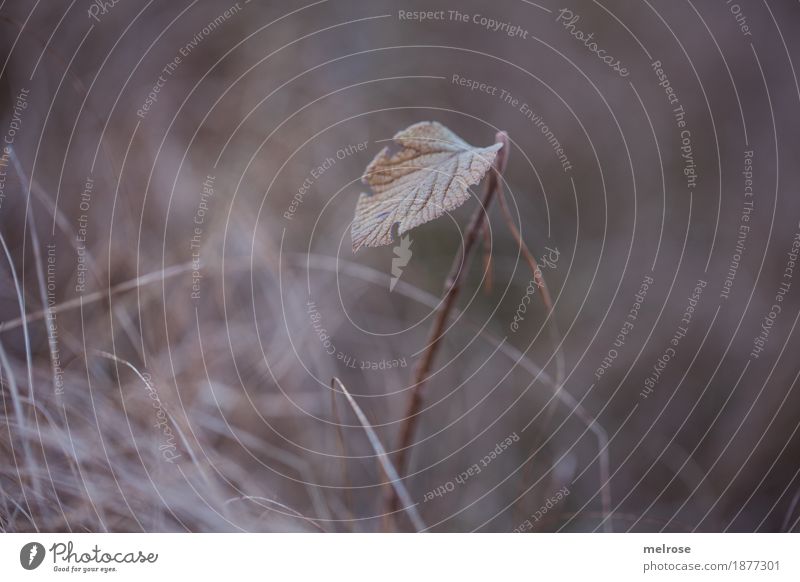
(429, 176)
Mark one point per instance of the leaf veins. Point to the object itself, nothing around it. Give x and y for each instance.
(431, 175)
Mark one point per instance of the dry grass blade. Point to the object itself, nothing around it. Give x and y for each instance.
(408, 505)
(16, 402)
(342, 449)
(258, 501)
(174, 424)
(37, 255)
(451, 289)
(785, 527)
(488, 283)
(431, 175)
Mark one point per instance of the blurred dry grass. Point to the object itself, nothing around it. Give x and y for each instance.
(242, 374)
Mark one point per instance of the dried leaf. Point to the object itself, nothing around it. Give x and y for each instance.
(428, 177)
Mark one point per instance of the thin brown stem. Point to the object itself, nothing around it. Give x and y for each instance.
(547, 299)
(451, 289)
(487, 259)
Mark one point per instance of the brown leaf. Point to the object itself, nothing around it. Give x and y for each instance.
(428, 177)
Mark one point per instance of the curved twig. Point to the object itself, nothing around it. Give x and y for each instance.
(451, 289)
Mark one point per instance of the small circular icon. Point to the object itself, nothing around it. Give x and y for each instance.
(31, 555)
